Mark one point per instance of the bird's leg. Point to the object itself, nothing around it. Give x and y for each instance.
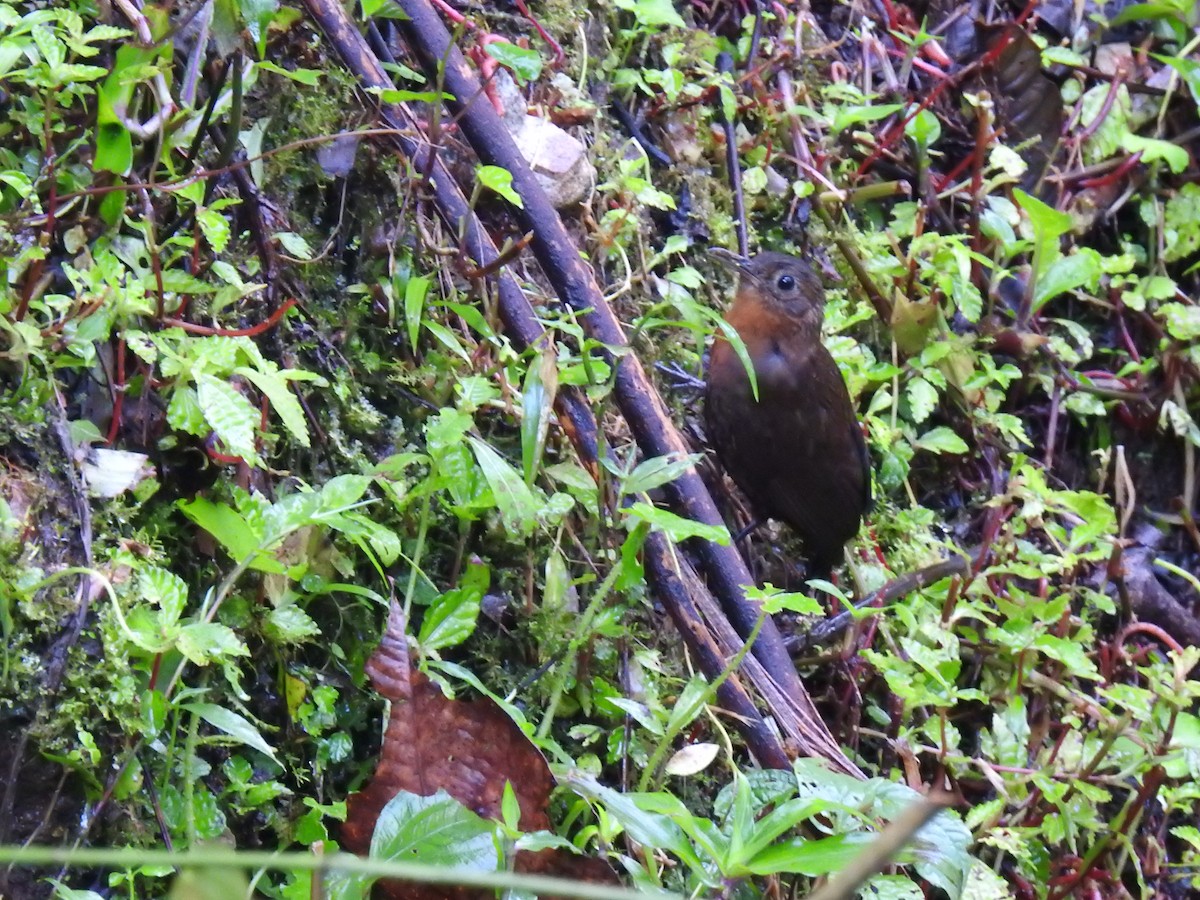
(679, 377)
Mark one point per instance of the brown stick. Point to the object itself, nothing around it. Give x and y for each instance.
(575, 284)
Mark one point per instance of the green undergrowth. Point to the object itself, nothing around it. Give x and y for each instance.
(315, 431)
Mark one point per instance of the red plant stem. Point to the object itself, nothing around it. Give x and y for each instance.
(152, 246)
(38, 266)
(983, 138)
(1105, 109)
(1119, 172)
(918, 63)
(118, 389)
(1026, 12)
(1052, 427)
(217, 456)
(453, 14)
(959, 167)
(193, 328)
(892, 133)
(1154, 779)
(1150, 629)
(559, 55)
(56, 327)
(893, 19)
(1126, 339)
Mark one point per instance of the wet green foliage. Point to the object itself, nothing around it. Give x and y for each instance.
(322, 415)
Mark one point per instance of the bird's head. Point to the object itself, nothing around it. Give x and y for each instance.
(780, 283)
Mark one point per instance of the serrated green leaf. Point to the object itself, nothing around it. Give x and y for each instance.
(215, 228)
(164, 589)
(289, 624)
(230, 414)
(941, 440)
(922, 399)
(184, 412)
(205, 642)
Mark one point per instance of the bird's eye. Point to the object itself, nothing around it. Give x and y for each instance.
(785, 282)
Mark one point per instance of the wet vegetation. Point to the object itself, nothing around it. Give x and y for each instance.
(264, 407)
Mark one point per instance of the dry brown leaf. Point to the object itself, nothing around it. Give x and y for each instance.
(470, 749)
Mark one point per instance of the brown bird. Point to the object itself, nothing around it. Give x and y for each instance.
(796, 452)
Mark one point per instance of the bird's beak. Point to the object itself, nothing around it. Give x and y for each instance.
(728, 258)
(734, 261)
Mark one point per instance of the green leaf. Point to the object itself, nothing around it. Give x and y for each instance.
(515, 500)
(230, 414)
(451, 618)
(308, 77)
(415, 292)
(525, 63)
(537, 406)
(435, 831)
(688, 706)
(649, 827)
(754, 180)
(922, 399)
(258, 15)
(676, 527)
(289, 624)
(164, 589)
(809, 857)
(848, 116)
(653, 13)
(498, 179)
(1047, 224)
(1181, 223)
(294, 244)
(1189, 71)
(233, 724)
(941, 440)
(784, 817)
(114, 144)
(205, 642)
(474, 391)
(215, 228)
(1182, 320)
(775, 600)
(657, 471)
(924, 128)
(240, 540)
(394, 95)
(447, 339)
(1080, 269)
(344, 491)
(1153, 150)
(283, 401)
